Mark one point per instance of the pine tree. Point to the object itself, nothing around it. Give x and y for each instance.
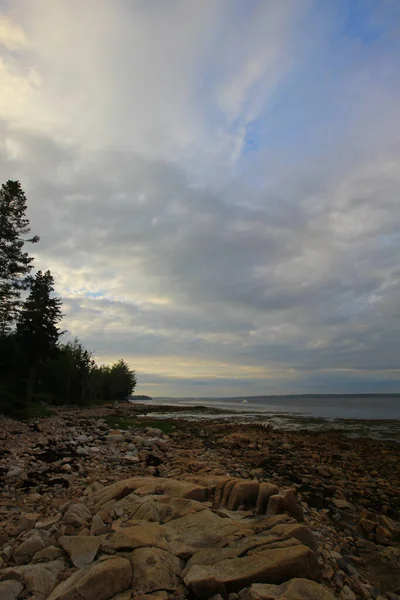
(37, 332)
(15, 264)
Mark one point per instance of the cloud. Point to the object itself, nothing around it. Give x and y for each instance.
(215, 186)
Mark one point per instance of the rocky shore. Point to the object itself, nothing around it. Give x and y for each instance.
(99, 504)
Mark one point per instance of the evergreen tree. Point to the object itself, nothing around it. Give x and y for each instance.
(15, 264)
(37, 332)
(122, 380)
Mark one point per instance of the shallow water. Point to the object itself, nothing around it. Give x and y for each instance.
(370, 416)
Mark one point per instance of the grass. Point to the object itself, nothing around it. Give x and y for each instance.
(36, 411)
(117, 422)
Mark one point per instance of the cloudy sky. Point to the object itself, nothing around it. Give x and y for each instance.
(216, 184)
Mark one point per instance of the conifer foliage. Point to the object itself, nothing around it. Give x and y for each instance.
(34, 365)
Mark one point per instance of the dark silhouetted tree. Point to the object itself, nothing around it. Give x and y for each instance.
(15, 264)
(37, 333)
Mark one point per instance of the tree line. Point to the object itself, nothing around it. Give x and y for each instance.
(35, 366)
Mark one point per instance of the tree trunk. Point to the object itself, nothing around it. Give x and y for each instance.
(30, 384)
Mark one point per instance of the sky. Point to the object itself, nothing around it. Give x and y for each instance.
(216, 185)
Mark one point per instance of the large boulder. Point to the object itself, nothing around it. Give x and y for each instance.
(276, 564)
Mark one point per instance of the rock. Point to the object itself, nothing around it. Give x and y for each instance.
(81, 549)
(266, 491)
(28, 548)
(347, 594)
(98, 526)
(205, 529)
(77, 515)
(15, 473)
(81, 451)
(48, 554)
(274, 565)
(115, 436)
(9, 590)
(146, 486)
(48, 522)
(26, 523)
(383, 535)
(130, 538)
(285, 503)
(367, 525)
(100, 581)
(82, 439)
(295, 589)
(66, 468)
(155, 569)
(244, 494)
(40, 581)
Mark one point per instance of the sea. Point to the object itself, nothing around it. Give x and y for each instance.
(376, 416)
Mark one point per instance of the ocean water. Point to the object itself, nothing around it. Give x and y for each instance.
(375, 416)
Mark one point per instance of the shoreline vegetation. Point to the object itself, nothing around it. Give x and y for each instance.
(37, 369)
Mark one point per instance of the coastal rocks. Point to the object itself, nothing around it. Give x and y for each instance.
(156, 539)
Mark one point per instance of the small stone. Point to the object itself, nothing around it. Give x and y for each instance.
(82, 451)
(66, 468)
(15, 473)
(383, 535)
